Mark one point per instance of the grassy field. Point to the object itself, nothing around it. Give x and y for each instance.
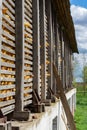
(81, 112)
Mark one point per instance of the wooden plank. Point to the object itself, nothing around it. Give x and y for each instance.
(7, 64)
(8, 42)
(28, 14)
(29, 84)
(6, 103)
(7, 72)
(9, 7)
(9, 36)
(0, 31)
(29, 30)
(27, 45)
(28, 68)
(28, 51)
(28, 62)
(28, 57)
(64, 100)
(43, 49)
(8, 109)
(27, 102)
(8, 49)
(28, 97)
(4, 95)
(28, 80)
(28, 91)
(9, 21)
(19, 8)
(8, 27)
(7, 79)
(28, 35)
(11, 15)
(10, 2)
(29, 3)
(6, 87)
(27, 18)
(8, 57)
(28, 7)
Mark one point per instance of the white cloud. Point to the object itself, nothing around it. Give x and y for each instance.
(79, 15)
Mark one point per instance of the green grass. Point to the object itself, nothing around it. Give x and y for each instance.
(81, 112)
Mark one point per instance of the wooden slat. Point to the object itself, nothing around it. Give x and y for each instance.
(6, 103)
(9, 36)
(28, 51)
(9, 21)
(8, 109)
(7, 79)
(28, 14)
(8, 49)
(11, 2)
(27, 102)
(28, 73)
(28, 68)
(11, 15)
(28, 57)
(7, 72)
(28, 7)
(5, 87)
(29, 3)
(8, 27)
(28, 91)
(64, 100)
(28, 62)
(7, 64)
(29, 30)
(27, 45)
(9, 7)
(28, 80)
(8, 42)
(28, 97)
(4, 95)
(29, 84)
(28, 35)
(27, 18)
(7, 57)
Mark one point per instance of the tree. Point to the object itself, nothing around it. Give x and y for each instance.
(84, 77)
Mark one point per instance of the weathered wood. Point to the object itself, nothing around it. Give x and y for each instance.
(64, 100)
(8, 21)
(8, 109)
(9, 36)
(43, 49)
(36, 46)
(19, 8)
(7, 64)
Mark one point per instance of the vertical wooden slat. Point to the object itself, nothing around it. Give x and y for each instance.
(19, 54)
(0, 30)
(36, 47)
(50, 41)
(43, 49)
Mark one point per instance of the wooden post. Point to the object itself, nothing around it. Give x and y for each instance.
(43, 50)
(64, 100)
(50, 41)
(0, 30)
(19, 97)
(36, 47)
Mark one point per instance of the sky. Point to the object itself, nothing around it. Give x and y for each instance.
(79, 15)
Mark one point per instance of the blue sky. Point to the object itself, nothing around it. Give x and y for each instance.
(82, 3)
(79, 15)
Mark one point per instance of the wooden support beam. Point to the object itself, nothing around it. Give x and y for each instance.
(36, 47)
(64, 100)
(19, 8)
(0, 30)
(19, 113)
(50, 41)
(43, 49)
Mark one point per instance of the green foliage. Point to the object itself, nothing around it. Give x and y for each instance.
(85, 74)
(81, 112)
